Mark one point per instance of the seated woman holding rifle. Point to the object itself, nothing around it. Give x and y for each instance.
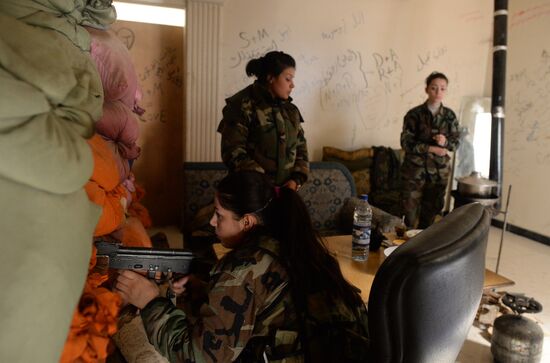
(277, 294)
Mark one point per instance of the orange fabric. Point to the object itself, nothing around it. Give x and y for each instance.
(133, 234)
(94, 321)
(95, 318)
(104, 189)
(112, 205)
(106, 172)
(138, 210)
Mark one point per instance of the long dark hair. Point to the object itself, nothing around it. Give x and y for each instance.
(283, 214)
(271, 64)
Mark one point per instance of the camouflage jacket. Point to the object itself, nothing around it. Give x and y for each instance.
(419, 126)
(249, 300)
(265, 134)
(250, 311)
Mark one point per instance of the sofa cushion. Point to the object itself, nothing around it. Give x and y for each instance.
(375, 171)
(200, 180)
(328, 187)
(385, 179)
(358, 162)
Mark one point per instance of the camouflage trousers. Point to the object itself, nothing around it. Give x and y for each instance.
(422, 194)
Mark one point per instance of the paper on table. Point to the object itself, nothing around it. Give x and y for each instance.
(413, 232)
(389, 250)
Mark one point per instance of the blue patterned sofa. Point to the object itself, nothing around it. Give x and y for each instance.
(327, 190)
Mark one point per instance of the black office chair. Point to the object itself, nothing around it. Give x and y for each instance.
(426, 293)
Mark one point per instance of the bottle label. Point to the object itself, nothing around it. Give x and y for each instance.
(361, 235)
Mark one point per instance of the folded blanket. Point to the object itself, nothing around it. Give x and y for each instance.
(132, 234)
(50, 97)
(94, 321)
(46, 245)
(63, 16)
(120, 124)
(112, 205)
(104, 187)
(120, 86)
(135, 208)
(105, 172)
(115, 67)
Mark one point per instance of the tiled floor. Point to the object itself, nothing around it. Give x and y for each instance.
(522, 260)
(528, 264)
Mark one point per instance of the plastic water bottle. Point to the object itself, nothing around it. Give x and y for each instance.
(360, 238)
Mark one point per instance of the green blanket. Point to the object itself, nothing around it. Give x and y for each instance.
(50, 97)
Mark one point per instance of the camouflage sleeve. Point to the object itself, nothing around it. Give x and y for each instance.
(225, 323)
(409, 141)
(167, 329)
(301, 166)
(234, 131)
(453, 138)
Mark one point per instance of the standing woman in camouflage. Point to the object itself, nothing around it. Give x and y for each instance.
(278, 292)
(430, 131)
(261, 127)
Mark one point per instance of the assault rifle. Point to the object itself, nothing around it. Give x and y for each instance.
(151, 260)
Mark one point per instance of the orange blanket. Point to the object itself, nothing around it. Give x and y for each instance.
(132, 234)
(94, 320)
(104, 189)
(138, 210)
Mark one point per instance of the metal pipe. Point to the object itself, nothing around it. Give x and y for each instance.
(498, 93)
(505, 212)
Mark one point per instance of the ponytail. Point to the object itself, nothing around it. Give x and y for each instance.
(310, 265)
(284, 216)
(271, 64)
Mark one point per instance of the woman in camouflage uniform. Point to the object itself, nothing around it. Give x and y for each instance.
(261, 127)
(430, 131)
(277, 288)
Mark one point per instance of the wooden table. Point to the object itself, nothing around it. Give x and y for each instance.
(361, 274)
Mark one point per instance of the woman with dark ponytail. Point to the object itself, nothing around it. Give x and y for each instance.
(261, 127)
(278, 294)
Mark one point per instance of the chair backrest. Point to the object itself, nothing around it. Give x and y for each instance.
(426, 293)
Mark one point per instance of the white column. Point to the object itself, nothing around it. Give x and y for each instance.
(203, 37)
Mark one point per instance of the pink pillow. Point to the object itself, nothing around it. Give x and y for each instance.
(115, 67)
(120, 124)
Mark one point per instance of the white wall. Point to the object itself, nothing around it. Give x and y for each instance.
(362, 64)
(527, 128)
